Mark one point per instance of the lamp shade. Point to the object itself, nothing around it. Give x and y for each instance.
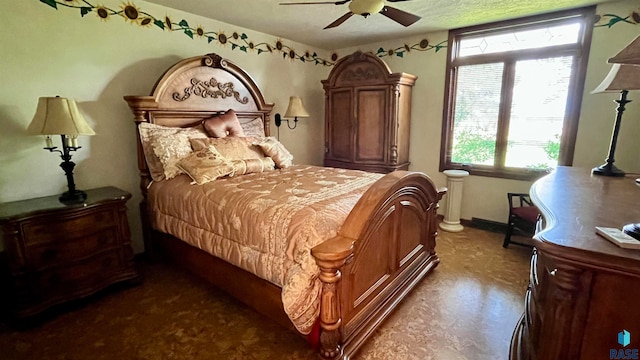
(58, 116)
(296, 108)
(629, 55)
(620, 77)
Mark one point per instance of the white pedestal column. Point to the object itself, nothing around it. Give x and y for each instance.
(455, 180)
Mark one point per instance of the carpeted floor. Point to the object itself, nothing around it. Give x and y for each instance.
(466, 309)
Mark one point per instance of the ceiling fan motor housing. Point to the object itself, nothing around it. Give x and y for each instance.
(366, 7)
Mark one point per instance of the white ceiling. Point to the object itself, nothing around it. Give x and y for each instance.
(305, 23)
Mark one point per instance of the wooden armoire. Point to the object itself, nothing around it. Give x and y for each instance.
(367, 115)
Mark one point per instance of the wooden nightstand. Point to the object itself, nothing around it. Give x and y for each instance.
(56, 252)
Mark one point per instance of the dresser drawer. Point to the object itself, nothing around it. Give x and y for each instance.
(82, 276)
(46, 255)
(67, 228)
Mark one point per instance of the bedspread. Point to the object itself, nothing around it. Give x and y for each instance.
(265, 223)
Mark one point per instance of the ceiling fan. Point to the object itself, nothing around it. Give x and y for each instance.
(366, 8)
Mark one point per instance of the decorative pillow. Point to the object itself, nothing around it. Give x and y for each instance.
(223, 125)
(147, 131)
(253, 127)
(205, 165)
(249, 166)
(171, 149)
(232, 148)
(275, 150)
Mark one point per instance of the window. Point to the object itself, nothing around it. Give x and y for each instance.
(513, 94)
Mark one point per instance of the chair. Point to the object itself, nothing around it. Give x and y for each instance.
(523, 216)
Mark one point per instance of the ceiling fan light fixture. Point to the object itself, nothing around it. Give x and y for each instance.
(362, 7)
(365, 8)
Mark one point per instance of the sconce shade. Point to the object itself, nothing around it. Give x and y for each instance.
(296, 108)
(58, 116)
(620, 77)
(629, 55)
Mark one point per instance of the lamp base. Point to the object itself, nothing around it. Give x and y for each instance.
(73, 197)
(632, 230)
(607, 170)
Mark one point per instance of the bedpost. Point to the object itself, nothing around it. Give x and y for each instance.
(331, 256)
(140, 115)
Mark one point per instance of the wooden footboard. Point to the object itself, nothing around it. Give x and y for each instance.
(386, 245)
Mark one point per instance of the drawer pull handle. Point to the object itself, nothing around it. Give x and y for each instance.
(553, 272)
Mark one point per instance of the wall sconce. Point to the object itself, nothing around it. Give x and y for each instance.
(295, 110)
(60, 116)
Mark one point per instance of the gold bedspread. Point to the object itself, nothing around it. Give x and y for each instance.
(265, 223)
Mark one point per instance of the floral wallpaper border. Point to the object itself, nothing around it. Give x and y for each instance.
(133, 14)
(241, 41)
(610, 20)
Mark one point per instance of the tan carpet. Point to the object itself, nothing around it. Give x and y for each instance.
(466, 309)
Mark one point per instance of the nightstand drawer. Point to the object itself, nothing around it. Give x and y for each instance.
(71, 228)
(50, 254)
(78, 277)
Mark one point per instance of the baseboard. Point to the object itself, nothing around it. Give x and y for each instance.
(489, 225)
(482, 224)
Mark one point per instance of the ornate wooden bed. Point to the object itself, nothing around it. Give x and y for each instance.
(384, 248)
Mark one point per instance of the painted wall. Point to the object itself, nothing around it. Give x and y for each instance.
(49, 52)
(485, 197)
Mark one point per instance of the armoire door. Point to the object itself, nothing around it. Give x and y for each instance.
(372, 115)
(367, 115)
(340, 132)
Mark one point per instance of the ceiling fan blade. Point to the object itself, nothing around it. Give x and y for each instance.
(402, 17)
(317, 2)
(340, 20)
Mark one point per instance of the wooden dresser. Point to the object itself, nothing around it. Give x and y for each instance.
(583, 289)
(58, 252)
(367, 115)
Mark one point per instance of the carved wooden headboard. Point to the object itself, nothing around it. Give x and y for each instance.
(193, 90)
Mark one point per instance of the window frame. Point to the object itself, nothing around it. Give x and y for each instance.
(580, 52)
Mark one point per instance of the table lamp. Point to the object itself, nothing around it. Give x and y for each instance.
(624, 76)
(61, 116)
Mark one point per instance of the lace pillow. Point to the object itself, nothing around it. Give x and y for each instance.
(147, 131)
(253, 127)
(170, 150)
(205, 165)
(275, 150)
